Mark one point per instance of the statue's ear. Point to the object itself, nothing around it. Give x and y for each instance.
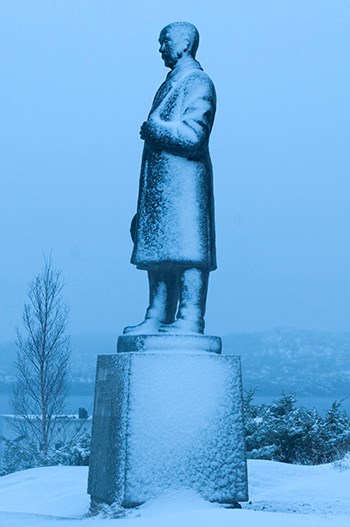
(186, 44)
(184, 48)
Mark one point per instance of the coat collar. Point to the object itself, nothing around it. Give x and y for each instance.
(182, 68)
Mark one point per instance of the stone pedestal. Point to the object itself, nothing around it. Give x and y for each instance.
(167, 415)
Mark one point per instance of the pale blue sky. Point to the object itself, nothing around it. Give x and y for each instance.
(77, 80)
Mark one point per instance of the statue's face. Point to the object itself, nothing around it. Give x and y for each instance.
(172, 47)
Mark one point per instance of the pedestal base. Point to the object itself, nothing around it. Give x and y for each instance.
(167, 421)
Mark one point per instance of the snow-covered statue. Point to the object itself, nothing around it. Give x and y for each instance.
(173, 230)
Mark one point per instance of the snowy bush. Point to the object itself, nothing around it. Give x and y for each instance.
(19, 457)
(76, 452)
(343, 464)
(283, 432)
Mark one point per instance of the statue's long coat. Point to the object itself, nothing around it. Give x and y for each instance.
(174, 225)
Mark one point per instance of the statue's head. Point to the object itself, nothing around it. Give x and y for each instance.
(178, 40)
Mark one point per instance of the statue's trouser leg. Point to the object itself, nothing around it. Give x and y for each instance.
(163, 296)
(193, 287)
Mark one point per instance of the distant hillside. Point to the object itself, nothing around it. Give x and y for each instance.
(302, 362)
(307, 363)
(7, 362)
(85, 349)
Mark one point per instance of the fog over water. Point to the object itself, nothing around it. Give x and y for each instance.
(77, 81)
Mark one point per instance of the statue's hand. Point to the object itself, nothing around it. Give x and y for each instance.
(145, 130)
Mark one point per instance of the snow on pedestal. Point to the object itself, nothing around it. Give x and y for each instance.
(167, 419)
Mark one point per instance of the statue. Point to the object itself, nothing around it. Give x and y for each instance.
(168, 409)
(173, 230)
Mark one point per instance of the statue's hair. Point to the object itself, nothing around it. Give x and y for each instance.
(188, 31)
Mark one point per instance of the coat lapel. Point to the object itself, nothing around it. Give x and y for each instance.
(161, 94)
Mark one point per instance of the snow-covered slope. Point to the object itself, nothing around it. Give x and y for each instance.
(281, 495)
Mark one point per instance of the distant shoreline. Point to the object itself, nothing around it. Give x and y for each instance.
(85, 400)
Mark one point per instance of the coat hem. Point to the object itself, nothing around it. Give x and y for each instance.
(171, 265)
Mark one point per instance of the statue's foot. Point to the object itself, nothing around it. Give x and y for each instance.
(149, 326)
(183, 327)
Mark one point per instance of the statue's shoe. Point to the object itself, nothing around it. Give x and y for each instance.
(148, 326)
(182, 326)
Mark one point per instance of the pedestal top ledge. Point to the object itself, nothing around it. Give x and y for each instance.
(158, 343)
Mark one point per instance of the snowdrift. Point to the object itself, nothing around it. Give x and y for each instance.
(280, 494)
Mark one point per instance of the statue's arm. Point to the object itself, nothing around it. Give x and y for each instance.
(189, 134)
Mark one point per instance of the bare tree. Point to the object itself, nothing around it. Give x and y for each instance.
(43, 352)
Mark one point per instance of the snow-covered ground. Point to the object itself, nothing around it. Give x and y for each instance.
(280, 494)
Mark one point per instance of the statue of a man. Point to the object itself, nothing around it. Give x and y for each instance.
(173, 230)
